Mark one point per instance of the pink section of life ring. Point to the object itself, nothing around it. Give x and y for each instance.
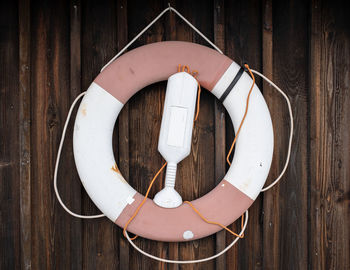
(137, 69)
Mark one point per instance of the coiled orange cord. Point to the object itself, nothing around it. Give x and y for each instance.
(194, 73)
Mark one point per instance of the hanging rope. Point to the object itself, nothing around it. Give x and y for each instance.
(58, 163)
(243, 221)
(169, 8)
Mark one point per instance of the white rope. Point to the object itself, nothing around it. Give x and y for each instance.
(196, 30)
(170, 8)
(102, 215)
(58, 162)
(191, 261)
(290, 132)
(246, 213)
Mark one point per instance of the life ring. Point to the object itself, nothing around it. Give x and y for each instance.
(99, 109)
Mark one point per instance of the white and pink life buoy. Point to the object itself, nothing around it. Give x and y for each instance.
(99, 110)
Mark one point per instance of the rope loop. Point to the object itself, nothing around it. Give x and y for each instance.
(194, 74)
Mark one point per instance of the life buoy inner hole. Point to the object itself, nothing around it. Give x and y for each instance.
(135, 144)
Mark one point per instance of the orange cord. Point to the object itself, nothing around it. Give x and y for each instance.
(194, 74)
(244, 116)
(216, 223)
(143, 201)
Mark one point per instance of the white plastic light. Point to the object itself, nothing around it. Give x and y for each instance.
(176, 132)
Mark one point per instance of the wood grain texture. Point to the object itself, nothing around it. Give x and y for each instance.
(219, 120)
(9, 138)
(170, 34)
(271, 210)
(329, 136)
(243, 44)
(145, 110)
(24, 132)
(74, 195)
(99, 45)
(50, 51)
(291, 74)
(55, 235)
(196, 175)
(123, 126)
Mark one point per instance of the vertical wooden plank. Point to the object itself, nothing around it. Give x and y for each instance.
(219, 119)
(42, 201)
(55, 234)
(271, 210)
(75, 47)
(329, 135)
(24, 132)
(145, 114)
(288, 224)
(196, 174)
(9, 138)
(123, 127)
(170, 32)
(99, 45)
(320, 138)
(243, 43)
(75, 89)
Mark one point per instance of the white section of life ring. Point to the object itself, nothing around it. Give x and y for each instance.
(253, 154)
(93, 152)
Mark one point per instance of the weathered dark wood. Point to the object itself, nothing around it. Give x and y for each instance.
(55, 235)
(50, 51)
(170, 33)
(329, 136)
(9, 138)
(196, 175)
(74, 184)
(243, 44)
(99, 45)
(123, 126)
(219, 120)
(145, 111)
(24, 131)
(290, 72)
(271, 211)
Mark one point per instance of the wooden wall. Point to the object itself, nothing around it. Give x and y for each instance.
(51, 51)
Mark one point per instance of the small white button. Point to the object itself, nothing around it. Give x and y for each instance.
(188, 235)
